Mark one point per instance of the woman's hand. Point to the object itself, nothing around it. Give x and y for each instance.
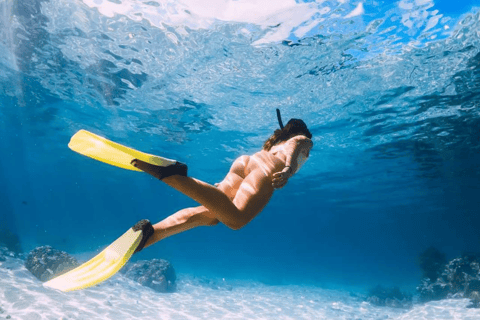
(280, 178)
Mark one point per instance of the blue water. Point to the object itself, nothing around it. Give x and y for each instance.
(390, 91)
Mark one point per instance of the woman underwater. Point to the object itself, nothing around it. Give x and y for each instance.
(243, 193)
(235, 201)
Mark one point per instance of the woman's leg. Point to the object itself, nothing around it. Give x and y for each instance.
(199, 216)
(180, 221)
(245, 200)
(253, 194)
(210, 197)
(217, 201)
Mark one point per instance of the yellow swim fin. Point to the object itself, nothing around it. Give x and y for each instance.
(99, 148)
(106, 263)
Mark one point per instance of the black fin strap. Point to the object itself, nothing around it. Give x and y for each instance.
(160, 172)
(177, 169)
(147, 231)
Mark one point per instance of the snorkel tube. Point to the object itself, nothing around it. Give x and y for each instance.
(279, 118)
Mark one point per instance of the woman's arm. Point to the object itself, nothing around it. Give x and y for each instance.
(293, 148)
(297, 145)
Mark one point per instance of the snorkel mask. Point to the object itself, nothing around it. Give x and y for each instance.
(298, 126)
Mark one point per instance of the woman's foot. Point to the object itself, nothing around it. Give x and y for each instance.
(147, 231)
(160, 172)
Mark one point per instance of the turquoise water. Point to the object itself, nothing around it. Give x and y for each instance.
(390, 92)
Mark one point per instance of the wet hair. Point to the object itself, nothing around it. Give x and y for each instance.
(294, 127)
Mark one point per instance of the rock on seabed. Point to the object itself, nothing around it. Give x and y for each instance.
(157, 274)
(46, 262)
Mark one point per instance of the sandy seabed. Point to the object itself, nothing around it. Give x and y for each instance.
(22, 296)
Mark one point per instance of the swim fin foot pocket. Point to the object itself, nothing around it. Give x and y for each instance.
(147, 231)
(161, 172)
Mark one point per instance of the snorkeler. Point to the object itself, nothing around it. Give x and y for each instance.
(243, 193)
(235, 201)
